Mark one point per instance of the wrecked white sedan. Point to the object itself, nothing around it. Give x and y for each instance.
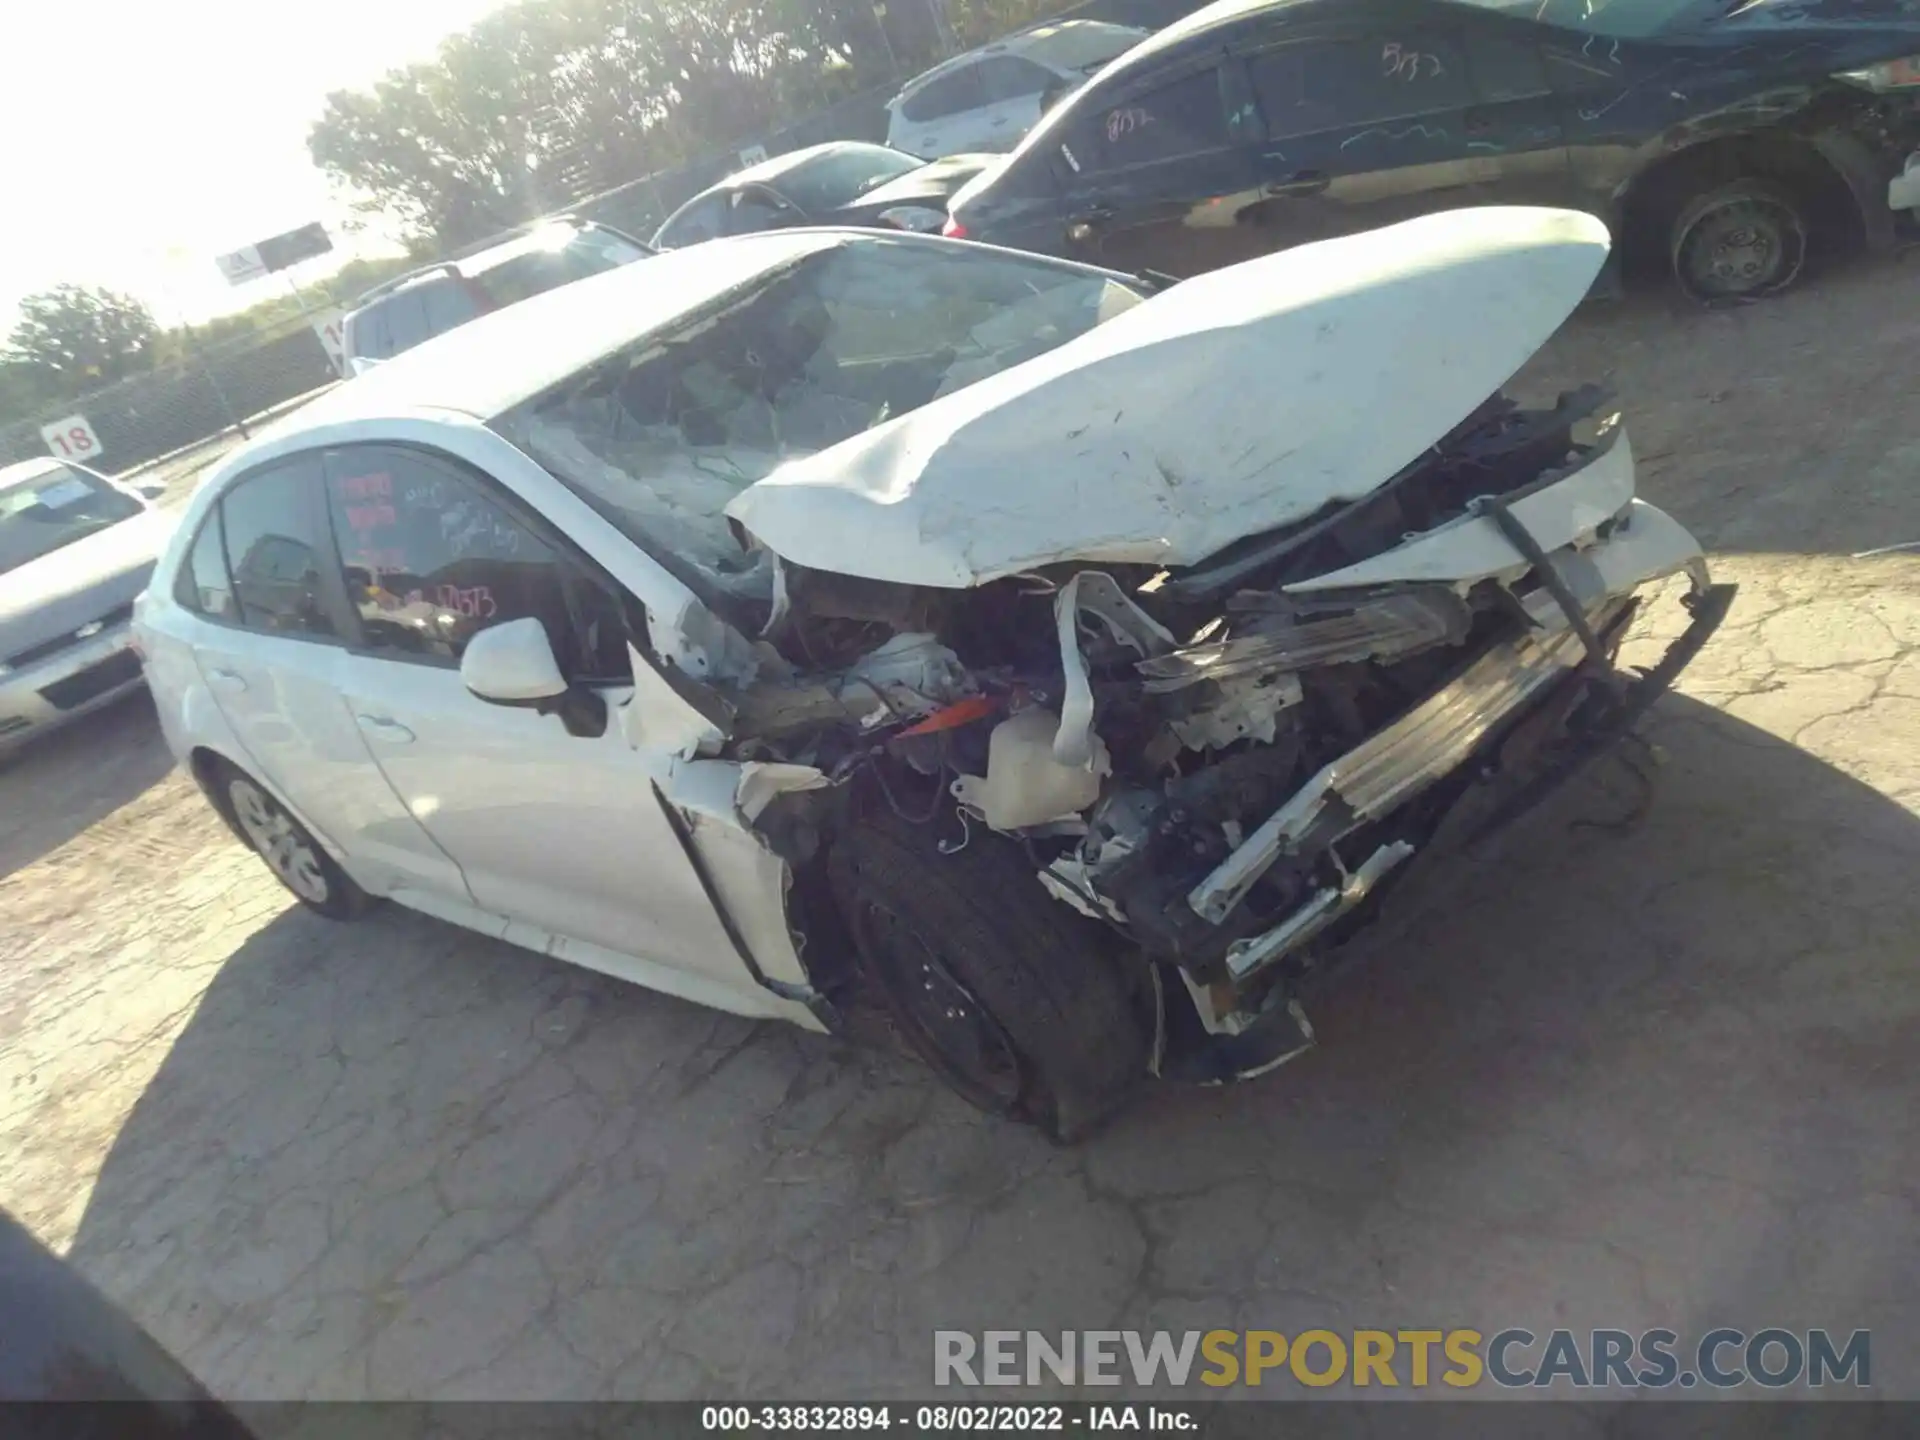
(819, 613)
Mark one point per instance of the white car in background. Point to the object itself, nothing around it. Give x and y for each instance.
(986, 99)
(1064, 658)
(75, 549)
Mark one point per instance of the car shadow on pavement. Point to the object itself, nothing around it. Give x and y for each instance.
(61, 784)
(1656, 1075)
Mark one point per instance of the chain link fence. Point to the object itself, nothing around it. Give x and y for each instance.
(209, 390)
(218, 388)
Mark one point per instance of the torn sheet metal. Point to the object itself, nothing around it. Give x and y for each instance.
(761, 783)
(1471, 548)
(1396, 763)
(1093, 597)
(1233, 403)
(658, 717)
(1376, 628)
(1248, 708)
(1246, 958)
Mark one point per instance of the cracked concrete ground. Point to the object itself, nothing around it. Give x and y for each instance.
(1665, 1077)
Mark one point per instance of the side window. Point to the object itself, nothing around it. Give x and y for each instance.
(948, 94)
(203, 585)
(431, 561)
(1186, 117)
(702, 220)
(1505, 67)
(1311, 86)
(1008, 77)
(273, 551)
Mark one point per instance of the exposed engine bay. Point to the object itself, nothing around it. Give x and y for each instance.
(1224, 762)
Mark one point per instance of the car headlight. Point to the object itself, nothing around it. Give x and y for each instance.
(1901, 74)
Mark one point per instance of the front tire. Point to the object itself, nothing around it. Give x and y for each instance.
(1012, 999)
(296, 859)
(1739, 241)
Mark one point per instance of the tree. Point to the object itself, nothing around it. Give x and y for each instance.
(546, 101)
(75, 337)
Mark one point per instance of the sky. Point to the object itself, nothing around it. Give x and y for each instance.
(145, 137)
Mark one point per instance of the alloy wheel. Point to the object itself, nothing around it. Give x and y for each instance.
(279, 840)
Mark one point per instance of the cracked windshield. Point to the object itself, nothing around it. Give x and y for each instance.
(939, 716)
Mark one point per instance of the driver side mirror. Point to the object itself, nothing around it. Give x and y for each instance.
(513, 664)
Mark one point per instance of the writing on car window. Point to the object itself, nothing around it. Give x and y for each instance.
(430, 562)
(1185, 117)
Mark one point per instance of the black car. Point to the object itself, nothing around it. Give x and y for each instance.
(1725, 140)
(844, 182)
(73, 1364)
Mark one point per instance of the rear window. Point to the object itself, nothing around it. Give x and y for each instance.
(842, 176)
(953, 93)
(1080, 47)
(522, 276)
(404, 319)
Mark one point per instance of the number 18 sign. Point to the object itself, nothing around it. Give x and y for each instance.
(72, 439)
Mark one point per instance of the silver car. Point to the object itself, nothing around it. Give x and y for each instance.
(75, 549)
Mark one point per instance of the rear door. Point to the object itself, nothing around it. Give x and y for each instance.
(270, 644)
(1164, 175)
(1367, 127)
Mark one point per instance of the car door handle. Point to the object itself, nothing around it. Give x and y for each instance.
(232, 681)
(381, 728)
(1301, 182)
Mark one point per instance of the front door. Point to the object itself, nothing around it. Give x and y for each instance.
(558, 831)
(1366, 130)
(1164, 178)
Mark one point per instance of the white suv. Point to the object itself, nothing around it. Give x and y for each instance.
(988, 98)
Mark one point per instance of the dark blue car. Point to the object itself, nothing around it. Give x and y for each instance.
(1727, 141)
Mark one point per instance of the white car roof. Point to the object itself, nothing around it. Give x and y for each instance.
(1035, 39)
(491, 364)
(30, 469)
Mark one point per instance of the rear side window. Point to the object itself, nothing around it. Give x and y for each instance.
(1186, 117)
(1310, 87)
(1008, 77)
(273, 551)
(400, 321)
(701, 219)
(953, 93)
(431, 560)
(204, 586)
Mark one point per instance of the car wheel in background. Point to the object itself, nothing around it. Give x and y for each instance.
(292, 854)
(1008, 995)
(1739, 241)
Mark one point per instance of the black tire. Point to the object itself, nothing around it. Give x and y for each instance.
(1738, 241)
(284, 845)
(1016, 1002)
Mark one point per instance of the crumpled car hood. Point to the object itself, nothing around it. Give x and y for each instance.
(1231, 404)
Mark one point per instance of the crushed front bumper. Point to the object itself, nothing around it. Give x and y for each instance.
(1442, 732)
